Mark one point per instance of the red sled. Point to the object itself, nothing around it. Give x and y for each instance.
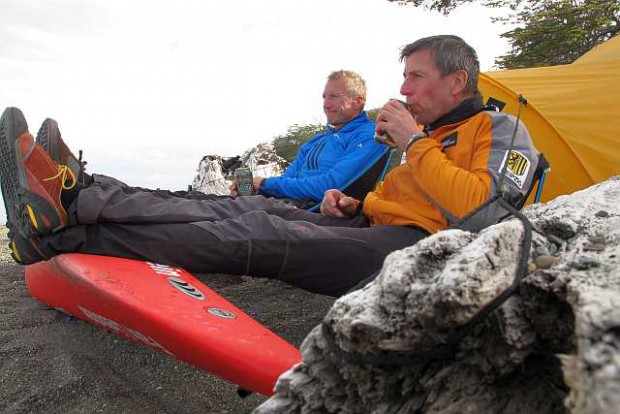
(168, 309)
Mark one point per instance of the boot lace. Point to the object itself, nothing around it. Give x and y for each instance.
(65, 174)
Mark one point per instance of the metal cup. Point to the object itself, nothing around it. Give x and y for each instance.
(243, 176)
(382, 137)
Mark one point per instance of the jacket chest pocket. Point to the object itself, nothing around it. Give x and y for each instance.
(456, 150)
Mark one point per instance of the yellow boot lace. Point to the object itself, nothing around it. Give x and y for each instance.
(64, 172)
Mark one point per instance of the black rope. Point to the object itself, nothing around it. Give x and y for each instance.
(459, 333)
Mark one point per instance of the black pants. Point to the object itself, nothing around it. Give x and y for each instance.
(253, 236)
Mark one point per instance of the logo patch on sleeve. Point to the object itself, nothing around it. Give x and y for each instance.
(449, 141)
(518, 166)
(496, 103)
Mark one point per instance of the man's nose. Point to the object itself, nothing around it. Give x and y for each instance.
(406, 89)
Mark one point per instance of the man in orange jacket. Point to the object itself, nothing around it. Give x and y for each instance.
(453, 166)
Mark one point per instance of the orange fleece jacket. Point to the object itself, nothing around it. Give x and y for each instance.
(445, 169)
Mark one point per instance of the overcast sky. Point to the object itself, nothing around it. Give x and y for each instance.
(147, 87)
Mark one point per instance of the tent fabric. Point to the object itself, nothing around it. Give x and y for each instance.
(572, 113)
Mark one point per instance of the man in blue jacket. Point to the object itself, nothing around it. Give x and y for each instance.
(332, 158)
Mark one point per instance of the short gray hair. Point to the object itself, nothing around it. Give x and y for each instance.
(450, 54)
(355, 85)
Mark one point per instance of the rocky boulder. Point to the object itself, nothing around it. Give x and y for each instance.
(263, 161)
(551, 346)
(215, 173)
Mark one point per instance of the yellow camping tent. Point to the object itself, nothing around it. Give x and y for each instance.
(572, 114)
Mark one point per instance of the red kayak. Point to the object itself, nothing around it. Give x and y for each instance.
(168, 309)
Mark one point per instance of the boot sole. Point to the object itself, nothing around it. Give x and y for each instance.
(12, 125)
(27, 251)
(28, 213)
(47, 138)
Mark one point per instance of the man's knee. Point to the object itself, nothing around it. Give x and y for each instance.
(329, 267)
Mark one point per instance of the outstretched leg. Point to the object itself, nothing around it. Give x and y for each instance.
(111, 203)
(327, 260)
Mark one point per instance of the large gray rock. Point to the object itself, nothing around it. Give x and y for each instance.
(553, 345)
(263, 161)
(212, 178)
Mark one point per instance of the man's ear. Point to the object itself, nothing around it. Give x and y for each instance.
(360, 102)
(459, 82)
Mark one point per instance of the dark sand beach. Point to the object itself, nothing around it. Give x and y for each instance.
(52, 363)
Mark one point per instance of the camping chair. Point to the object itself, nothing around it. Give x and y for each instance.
(498, 208)
(366, 180)
(540, 175)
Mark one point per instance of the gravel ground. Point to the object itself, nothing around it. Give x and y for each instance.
(5, 255)
(51, 363)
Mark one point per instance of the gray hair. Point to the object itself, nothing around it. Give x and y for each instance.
(355, 85)
(450, 54)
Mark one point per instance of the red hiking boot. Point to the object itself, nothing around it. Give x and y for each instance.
(31, 181)
(50, 139)
(27, 251)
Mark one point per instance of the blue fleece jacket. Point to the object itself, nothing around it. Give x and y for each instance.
(328, 160)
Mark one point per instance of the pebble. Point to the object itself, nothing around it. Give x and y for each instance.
(585, 263)
(541, 251)
(545, 261)
(601, 213)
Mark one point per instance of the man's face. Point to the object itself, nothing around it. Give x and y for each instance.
(338, 106)
(429, 94)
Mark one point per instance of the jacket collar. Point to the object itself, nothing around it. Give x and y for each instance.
(352, 124)
(466, 109)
